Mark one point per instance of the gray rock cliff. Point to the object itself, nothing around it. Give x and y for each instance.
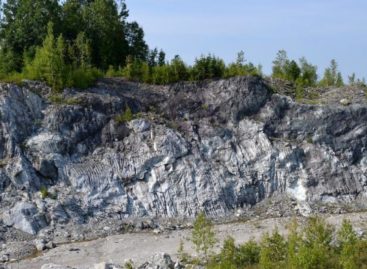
(225, 147)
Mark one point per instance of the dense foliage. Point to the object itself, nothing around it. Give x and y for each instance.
(158, 71)
(313, 245)
(65, 42)
(73, 42)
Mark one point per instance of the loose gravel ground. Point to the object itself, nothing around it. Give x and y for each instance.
(139, 247)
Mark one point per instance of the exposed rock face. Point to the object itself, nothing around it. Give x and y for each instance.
(24, 216)
(223, 147)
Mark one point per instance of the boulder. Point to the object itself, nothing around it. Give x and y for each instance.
(25, 217)
(40, 244)
(159, 261)
(105, 265)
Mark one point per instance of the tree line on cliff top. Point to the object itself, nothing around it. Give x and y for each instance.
(71, 43)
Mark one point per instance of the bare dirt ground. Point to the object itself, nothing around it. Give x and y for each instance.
(139, 247)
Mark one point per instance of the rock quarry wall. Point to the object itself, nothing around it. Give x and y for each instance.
(227, 147)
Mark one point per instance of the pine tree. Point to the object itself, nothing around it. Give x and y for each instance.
(273, 251)
(316, 250)
(279, 65)
(105, 30)
(24, 25)
(161, 58)
(228, 254)
(48, 64)
(294, 240)
(137, 48)
(347, 239)
(339, 80)
(308, 77)
(240, 61)
(292, 71)
(203, 236)
(352, 79)
(332, 77)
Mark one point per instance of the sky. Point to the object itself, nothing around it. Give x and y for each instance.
(320, 30)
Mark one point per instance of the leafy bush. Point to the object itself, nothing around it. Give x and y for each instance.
(205, 67)
(248, 254)
(332, 77)
(124, 117)
(178, 71)
(48, 64)
(44, 192)
(203, 236)
(83, 78)
(112, 72)
(58, 64)
(347, 239)
(136, 70)
(311, 246)
(208, 67)
(302, 75)
(316, 249)
(14, 77)
(273, 252)
(9, 62)
(232, 256)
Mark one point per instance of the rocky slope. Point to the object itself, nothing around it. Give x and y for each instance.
(228, 147)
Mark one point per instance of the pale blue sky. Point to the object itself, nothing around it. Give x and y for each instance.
(317, 29)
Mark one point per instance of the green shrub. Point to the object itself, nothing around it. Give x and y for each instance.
(203, 236)
(112, 72)
(234, 69)
(60, 65)
(56, 99)
(182, 255)
(208, 67)
(44, 192)
(129, 265)
(273, 251)
(48, 64)
(124, 117)
(83, 78)
(248, 254)
(332, 77)
(178, 71)
(347, 239)
(9, 62)
(136, 70)
(13, 77)
(312, 246)
(360, 254)
(316, 250)
(160, 75)
(228, 254)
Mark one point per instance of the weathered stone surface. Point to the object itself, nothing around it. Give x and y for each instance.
(105, 265)
(228, 147)
(25, 217)
(40, 244)
(55, 266)
(159, 261)
(17, 251)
